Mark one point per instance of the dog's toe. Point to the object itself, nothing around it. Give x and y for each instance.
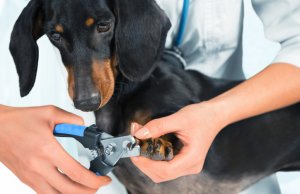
(157, 149)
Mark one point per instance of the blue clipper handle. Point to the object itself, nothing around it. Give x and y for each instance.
(69, 130)
(89, 137)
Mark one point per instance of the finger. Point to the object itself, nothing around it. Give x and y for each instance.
(147, 165)
(59, 116)
(62, 183)
(41, 186)
(188, 161)
(75, 171)
(44, 187)
(183, 164)
(155, 170)
(135, 127)
(158, 127)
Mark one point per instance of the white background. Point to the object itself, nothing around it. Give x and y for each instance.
(51, 87)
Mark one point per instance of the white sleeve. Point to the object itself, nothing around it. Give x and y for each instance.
(281, 19)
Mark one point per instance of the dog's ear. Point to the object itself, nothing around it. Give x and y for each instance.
(23, 47)
(140, 36)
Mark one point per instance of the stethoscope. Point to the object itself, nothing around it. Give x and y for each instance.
(175, 50)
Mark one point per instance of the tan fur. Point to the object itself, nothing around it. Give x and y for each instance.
(89, 22)
(59, 28)
(71, 82)
(104, 79)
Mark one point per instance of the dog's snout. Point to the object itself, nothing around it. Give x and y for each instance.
(90, 104)
(82, 89)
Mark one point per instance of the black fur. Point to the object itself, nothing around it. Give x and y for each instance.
(241, 154)
(23, 46)
(142, 25)
(132, 29)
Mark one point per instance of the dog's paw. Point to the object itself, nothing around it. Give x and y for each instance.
(159, 149)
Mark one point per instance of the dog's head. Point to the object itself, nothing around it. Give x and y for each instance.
(97, 40)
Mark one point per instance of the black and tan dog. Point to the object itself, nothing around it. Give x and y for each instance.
(112, 50)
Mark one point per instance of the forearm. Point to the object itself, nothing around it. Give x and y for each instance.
(275, 87)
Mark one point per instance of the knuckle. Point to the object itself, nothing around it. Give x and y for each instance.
(79, 190)
(39, 190)
(96, 184)
(48, 152)
(32, 164)
(194, 172)
(156, 180)
(156, 125)
(75, 176)
(197, 170)
(50, 110)
(80, 119)
(44, 152)
(50, 107)
(161, 124)
(35, 187)
(68, 190)
(166, 174)
(24, 180)
(91, 191)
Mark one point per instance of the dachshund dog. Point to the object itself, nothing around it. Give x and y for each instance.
(113, 51)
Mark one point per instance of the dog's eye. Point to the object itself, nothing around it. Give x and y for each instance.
(55, 36)
(103, 26)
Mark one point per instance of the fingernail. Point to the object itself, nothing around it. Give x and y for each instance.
(133, 128)
(143, 133)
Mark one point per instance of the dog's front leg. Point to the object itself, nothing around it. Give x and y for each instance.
(109, 118)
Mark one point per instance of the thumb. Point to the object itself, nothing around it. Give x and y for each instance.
(157, 128)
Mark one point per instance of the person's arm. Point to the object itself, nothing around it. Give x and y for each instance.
(275, 87)
(29, 149)
(197, 125)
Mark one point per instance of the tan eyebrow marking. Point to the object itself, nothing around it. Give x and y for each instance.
(89, 22)
(59, 28)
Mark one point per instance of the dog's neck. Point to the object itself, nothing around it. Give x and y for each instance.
(125, 87)
(208, 87)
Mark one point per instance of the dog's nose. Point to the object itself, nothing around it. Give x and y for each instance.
(91, 104)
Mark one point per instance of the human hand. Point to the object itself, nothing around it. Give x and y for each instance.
(196, 126)
(29, 149)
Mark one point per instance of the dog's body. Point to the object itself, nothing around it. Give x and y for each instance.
(113, 53)
(241, 154)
